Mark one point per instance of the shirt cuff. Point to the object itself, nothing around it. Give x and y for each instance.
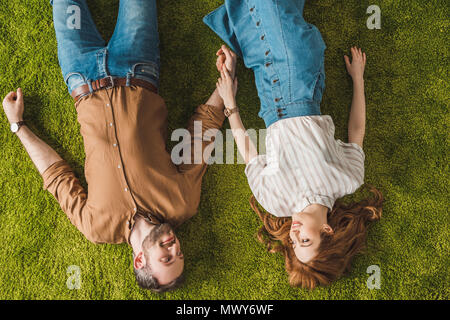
(54, 171)
(354, 145)
(215, 113)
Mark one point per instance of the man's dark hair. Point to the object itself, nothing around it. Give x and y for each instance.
(145, 280)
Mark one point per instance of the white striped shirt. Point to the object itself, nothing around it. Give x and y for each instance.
(304, 164)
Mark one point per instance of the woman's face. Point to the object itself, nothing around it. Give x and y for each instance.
(305, 236)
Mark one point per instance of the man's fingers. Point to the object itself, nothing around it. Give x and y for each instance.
(10, 97)
(219, 62)
(19, 95)
(227, 52)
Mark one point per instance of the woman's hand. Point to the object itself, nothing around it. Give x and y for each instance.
(227, 88)
(13, 106)
(356, 68)
(226, 58)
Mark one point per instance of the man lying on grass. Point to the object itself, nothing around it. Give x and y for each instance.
(137, 195)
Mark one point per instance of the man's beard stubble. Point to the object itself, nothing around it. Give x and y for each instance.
(156, 233)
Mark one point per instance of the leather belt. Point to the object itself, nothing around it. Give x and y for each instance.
(110, 82)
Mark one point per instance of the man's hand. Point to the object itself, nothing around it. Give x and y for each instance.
(356, 68)
(227, 88)
(226, 58)
(13, 106)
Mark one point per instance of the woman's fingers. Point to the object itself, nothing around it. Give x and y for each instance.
(347, 60)
(225, 72)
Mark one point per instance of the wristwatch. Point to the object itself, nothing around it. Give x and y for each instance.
(15, 126)
(229, 112)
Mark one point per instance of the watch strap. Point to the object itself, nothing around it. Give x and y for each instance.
(229, 112)
(19, 125)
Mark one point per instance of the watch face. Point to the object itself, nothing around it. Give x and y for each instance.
(14, 127)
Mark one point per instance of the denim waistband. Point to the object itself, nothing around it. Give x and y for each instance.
(292, 110)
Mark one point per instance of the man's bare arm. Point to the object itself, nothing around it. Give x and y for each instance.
(42, 155)
(357, 119)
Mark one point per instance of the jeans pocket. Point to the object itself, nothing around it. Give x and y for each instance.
(145, 69)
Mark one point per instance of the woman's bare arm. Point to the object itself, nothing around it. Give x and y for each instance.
(357, 119)
(227, 88)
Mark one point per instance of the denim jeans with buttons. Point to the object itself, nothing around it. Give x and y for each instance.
(285, 52)
(132, 51)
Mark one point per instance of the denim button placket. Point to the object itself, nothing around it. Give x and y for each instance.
(269, 70)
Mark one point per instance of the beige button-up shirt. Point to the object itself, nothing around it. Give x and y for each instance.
(127, 166)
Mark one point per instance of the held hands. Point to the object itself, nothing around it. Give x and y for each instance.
(227, 88)
(227, 58)
(13, 106)
(356, 68)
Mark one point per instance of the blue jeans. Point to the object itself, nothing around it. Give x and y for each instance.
(132, 52)
(285, 52)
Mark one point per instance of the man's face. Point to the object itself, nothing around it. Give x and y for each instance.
(163, 252)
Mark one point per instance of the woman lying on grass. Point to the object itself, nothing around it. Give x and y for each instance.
(305, 169)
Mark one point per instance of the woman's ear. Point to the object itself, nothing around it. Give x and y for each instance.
(327, 229)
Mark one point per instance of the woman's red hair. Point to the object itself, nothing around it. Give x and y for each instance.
(336, 250)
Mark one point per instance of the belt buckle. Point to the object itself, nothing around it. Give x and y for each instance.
(111, 79)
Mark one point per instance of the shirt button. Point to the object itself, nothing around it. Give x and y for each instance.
(275, 81)
(268, 64)
(115, 145)
(110, 124)
(258, 23)
(119, 166)
(267, 52)
(126, 189)
(251, 9)
(135, 209)
(277, 99)
(263, 37)
(107, 104)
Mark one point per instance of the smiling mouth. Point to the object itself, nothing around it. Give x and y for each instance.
(168, 240)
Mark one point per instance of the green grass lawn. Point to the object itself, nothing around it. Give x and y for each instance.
(406, 146)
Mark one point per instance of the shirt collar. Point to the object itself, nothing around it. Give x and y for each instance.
(320, 199)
